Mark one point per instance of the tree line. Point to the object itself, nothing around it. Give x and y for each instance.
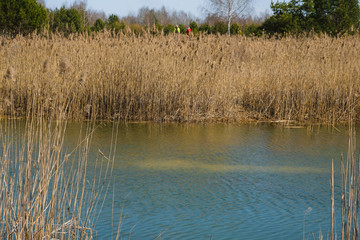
(332, 17)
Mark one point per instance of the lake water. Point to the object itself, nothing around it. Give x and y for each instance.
(218, 181)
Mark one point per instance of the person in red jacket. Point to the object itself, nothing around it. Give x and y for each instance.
(188, 31)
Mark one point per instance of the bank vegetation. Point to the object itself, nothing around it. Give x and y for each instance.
(177, 78)
(46, 191)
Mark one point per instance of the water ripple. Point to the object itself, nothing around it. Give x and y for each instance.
(220, 181)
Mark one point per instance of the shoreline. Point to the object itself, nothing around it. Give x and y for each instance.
(286, 123)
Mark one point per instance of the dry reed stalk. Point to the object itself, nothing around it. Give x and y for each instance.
(64, 65)
(167, 78)
(350, 178)
(41, 198)
(332, 203)
(46, 66)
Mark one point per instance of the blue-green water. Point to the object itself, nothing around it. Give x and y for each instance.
(218, 181)
(213, 181)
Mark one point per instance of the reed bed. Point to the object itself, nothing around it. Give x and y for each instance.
(177, 78)
(45, 191)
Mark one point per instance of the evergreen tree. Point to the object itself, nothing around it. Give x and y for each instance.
(321, 16)
(113, 23)
(205, 28)
(98, 25)
(21, 16)
(168, 29)
(66, 21)
(252, 30)
(285, 18)
(194, 27)
(328, 16)
(220, 27)
(182, 28)
(307, 16)
(235, 29)
(344, 16)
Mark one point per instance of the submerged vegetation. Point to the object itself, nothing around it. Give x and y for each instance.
(177, 78)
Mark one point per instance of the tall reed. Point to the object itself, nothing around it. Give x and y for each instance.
(45, 191)
(350, 182)
(174, 78)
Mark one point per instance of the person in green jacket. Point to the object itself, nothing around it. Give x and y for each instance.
(177, 29)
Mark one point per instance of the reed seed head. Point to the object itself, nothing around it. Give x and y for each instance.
(46, 66)
(83, 77)
(201, 79)
(7, 102)
(10, 73)
(87, 108)
(64, 65)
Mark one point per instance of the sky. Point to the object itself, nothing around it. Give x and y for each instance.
(123, 8)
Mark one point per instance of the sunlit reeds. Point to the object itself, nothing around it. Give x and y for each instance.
(350, 183)
(46, 192)
(174, 78)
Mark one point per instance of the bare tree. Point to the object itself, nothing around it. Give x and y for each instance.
(93, 15)
(181, 17)
(146, 16)
(227, 9)
(254, 19)
(89, 16)
(81, 6)
(149, 16)
(163, 16)
(130, 19)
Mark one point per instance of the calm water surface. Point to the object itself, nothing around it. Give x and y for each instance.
(217, 181)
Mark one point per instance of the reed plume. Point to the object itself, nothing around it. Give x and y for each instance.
(10, 73)
(168, 78)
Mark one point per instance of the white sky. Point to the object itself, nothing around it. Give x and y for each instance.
(124, 7)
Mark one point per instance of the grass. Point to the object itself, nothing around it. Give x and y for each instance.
(174, 78)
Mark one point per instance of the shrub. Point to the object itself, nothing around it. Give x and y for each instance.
(137, 29)
(114, 24)
(182, 28)
(98, 25)
(205, 28)
(194, 27)
(219, 27)
(252, 30)
(235, 29)
(168, 29)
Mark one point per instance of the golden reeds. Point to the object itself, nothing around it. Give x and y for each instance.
(64, 65)
(350, 185)
(167, 78)
(45, 191)
(10, 73)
